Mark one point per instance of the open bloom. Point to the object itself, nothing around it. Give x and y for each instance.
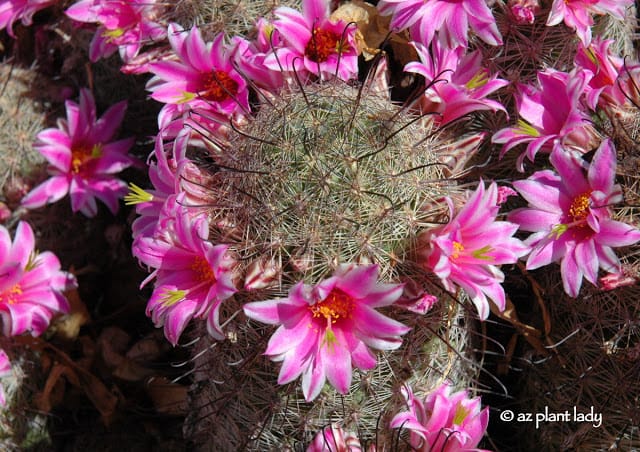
(576, 14)
(466, 251)
(452, 18)
(570, 217)
(124, 25)
(313, 44)
(456, 83)
(550, 115)
(443, 421)
(13, 10)
(31, 284)
(605, 67)
(203, 78)
(193, 276)
(328, 328)
(83, 159)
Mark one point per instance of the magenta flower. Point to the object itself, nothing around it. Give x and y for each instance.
(5, 370)
(605, 67)
(570, 216)
(202, 79)
(83, 159)
(550, 116)
(193, 277)
(252, 54)
(313, 44)
(443, 422)
(13, 10)
(466, 251)
(124, 25)
(31, 284)
(334, 438)
(451, 18)
(576, 14)
(523, 12)
(456, 83)
(328, 328)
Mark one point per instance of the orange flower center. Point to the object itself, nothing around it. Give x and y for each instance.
(81, 154)
(202, 269)
(11, 296)
(337, 305)
(457, 249)
(322, 44)
(219, 86)
(580, 207)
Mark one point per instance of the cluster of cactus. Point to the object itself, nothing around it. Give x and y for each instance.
(20, 119)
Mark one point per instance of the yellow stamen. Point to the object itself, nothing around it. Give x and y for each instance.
(82, 154)
(137, 195)
(337, 305)
(11, 296)
(457, 249)
(579, 209)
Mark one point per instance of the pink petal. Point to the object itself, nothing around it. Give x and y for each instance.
(615, 233)
(571, 274)
(313, 378)
(48, 192)
(23, 244)
(337, 362)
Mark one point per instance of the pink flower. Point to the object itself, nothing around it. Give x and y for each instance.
(202, 79)
(328, 328)
(5, 370)
(252, 54)
(83, 159)
(623, 278)
(466, 251)
(523, 12)
(23, 10)
(451, 18)
(605, 67)
(576, 14)
(456, 83)
(570, 216)
(313, 44)
(550, 116)
(443, 422)
(31, 284)
(334, 438)
(193, 277)
(124, 25)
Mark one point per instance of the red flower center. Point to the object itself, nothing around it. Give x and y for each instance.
(219, 86)
(337, 305)
(322, 44)
(580, 207)
(81, 154)
(12, 295)
(203, 270)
